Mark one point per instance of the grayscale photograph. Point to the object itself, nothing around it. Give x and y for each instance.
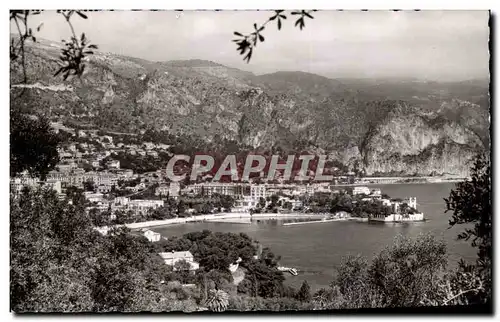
(238, 161)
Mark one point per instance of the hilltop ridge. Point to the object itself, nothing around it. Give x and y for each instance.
(400, 127)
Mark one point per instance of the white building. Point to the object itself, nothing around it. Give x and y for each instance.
(162, 190)
(114, 164)
(360, 190)
(376, 193)
(93, 197)
(208, 189)
(55, 185)
(172, 190)
(234, 266)
(103, 188)
(411, 201)
(245, 203)
(141, 204)
(398, 217)
(65, 167)
(170, 258)
(258, 191)
(152, 236)
(121, 201)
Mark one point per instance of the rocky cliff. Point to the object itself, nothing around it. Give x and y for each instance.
(292, 110)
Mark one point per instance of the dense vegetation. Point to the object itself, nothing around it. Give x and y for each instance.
(33, 145)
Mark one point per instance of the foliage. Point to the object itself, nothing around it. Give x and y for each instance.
(463, 286)
(72, 56)
(304, 294)
(470, 203)
(405, 271)
(405, 274)
(247, 43)
(213, 251)
(248, 303)
(60, 264)
(218, 300)
(33, 145)
(17, 49)
(89, 185)
(261, 280)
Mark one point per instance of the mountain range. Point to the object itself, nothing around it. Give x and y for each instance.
(403, 126)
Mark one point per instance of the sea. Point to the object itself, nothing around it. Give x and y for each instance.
(316, 249)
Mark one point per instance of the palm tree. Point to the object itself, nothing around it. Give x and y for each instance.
(218, 300)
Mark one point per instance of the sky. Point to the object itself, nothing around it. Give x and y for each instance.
(432, 45)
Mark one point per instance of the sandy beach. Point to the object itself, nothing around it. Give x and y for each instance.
(232, 215)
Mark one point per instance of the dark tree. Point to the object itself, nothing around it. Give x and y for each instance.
(33, 145)
(304, 294)
(89, 185)
(470, 203)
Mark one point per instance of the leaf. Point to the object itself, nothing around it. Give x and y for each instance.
(39, 27)
(81, 15)
(59, 71)
(92, 46)
(261, 38)
(248, 56)
(308, 15)
(279, 24)
(238, 34)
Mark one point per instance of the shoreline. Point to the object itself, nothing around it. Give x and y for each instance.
(398, 182)
(209, 218)
(219, 218)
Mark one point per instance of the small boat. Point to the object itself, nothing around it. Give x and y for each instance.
(291, 270)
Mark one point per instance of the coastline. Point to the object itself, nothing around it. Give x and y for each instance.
(214, 218)
(246, 215)
(210, 217)
(422, 181)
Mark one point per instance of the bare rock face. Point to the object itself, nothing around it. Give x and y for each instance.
(416, 144)
(294, 111)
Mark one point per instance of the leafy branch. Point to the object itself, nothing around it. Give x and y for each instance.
(17, 48)
(72, 56)
(247, 42)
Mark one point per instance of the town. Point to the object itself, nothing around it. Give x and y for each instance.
(91, 163)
